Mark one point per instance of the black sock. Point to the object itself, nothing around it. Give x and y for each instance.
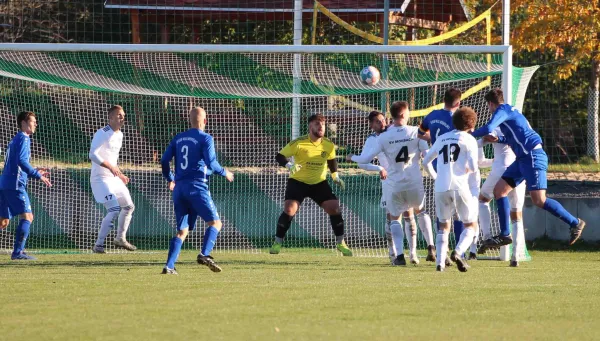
(337, 224)
(283, 225)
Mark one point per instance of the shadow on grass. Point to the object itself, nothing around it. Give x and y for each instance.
(547, 244)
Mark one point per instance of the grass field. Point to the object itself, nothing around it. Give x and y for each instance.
(298, 295)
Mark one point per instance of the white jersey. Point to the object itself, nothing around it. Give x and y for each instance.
(370, 144)
(106, 146)
(402, 149)
(503, 155)
(457, 161)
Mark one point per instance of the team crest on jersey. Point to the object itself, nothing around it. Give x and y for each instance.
(323, 154)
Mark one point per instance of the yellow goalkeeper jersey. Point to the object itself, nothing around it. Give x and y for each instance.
(311, 156)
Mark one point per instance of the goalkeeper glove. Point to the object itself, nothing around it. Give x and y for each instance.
(338, 181)
(293, 167)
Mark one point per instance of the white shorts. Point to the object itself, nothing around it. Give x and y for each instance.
(109, 190)
(384, 190)
(464, 204)
(516, 197)
(399, 202)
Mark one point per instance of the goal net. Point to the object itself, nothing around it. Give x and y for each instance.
(255, 103)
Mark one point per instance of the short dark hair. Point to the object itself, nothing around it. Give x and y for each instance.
(24, 116)
(495, 96)
(397, 107)
(451, 96)
(464, 119)
(374, 114)
(316, 117)
(114, 108)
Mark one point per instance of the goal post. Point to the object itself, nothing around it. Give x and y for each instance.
(249, 93)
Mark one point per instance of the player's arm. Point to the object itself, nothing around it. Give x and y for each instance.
(285, 153)
(23, 163)
(332, 164)
(368, 166)
(497, 119)
(366, 155)
(423, 133)
(165, 162)
(424, 149)
(95, 157)
(210, 155)
(429, 157)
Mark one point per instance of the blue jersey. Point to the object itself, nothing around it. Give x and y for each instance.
(16, 164)
(517, 131)
(437, 123)
(195, 157)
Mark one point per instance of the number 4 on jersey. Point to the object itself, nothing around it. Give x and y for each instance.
(402, 155)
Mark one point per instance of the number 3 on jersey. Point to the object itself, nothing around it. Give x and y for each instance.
(184, 152)
(402, 155)
(450, 152)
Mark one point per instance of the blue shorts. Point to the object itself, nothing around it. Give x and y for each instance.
(532, 168)
(191, 201)
(14, 202)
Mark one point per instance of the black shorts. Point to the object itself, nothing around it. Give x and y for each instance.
(319, 193)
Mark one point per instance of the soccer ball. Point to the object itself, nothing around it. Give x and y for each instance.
(370, 75)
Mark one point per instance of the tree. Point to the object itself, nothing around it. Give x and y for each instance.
(571, 31)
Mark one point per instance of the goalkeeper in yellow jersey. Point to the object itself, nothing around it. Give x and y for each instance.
(313, 154)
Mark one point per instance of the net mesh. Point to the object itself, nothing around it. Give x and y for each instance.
(249, 99)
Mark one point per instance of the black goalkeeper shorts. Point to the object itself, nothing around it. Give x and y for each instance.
(298, 190)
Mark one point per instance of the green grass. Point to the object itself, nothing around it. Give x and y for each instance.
(298, 295)
(574, 167)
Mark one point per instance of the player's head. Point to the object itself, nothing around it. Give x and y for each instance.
(198, 118)
(464, 119)
(377, 121)
(27, 122)
(494, 98)
(452, 99)
(400, 113)
(316, 125)
(116, 117)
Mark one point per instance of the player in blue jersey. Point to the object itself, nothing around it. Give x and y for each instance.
(195, 161)
(530, 166)
(437, 123)
(13, 183)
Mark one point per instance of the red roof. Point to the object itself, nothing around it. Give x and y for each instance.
(425, 9)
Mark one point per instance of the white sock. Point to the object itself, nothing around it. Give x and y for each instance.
(390, 241)
(425, 225)
(466, 239)
(518, 241)
(485, 219)
(442, 247)
(106, 225)
(410, 229)
(398, 236)
(124, 220)
(475, 240)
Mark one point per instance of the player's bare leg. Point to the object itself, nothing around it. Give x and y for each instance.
(290, 208)
(410, 230)
(204, 257)
(466, 239)
(555, 208)
(332, 208)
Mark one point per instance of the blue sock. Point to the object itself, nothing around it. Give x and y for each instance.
(458, 229)
(210, 238)
(504, 215)
(559, 211)
(21, 235)
(174, 250)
